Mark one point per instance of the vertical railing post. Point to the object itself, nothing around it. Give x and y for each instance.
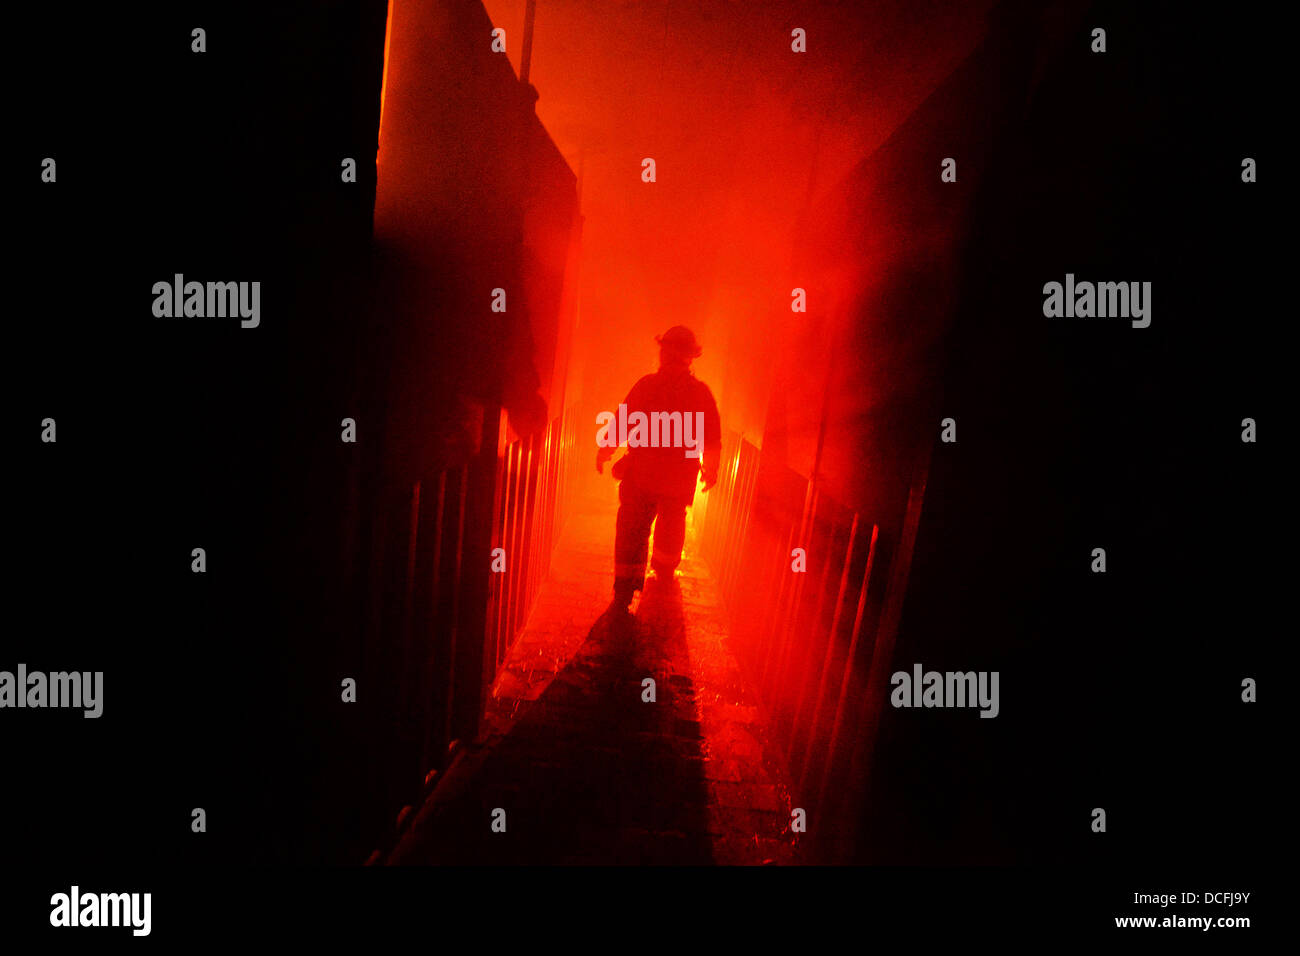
(474, 571)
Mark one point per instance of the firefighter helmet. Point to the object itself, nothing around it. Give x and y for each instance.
(680, 339)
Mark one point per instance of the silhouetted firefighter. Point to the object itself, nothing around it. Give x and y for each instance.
(670, 424)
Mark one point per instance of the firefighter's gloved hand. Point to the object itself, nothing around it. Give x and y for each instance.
(708, 479)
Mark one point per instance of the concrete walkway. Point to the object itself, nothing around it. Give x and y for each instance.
(587, 772)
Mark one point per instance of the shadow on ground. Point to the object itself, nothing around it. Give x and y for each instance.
(589, 773)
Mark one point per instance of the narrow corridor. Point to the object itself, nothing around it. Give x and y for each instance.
(587, 772)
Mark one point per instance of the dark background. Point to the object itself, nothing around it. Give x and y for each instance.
(1124, 686)
(1121, 691)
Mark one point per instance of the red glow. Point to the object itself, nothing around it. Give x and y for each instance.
(769, 179)
(383, 86)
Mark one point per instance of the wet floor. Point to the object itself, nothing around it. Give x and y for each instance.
(577, 766)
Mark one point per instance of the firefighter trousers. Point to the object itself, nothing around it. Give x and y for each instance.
(638, 509)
